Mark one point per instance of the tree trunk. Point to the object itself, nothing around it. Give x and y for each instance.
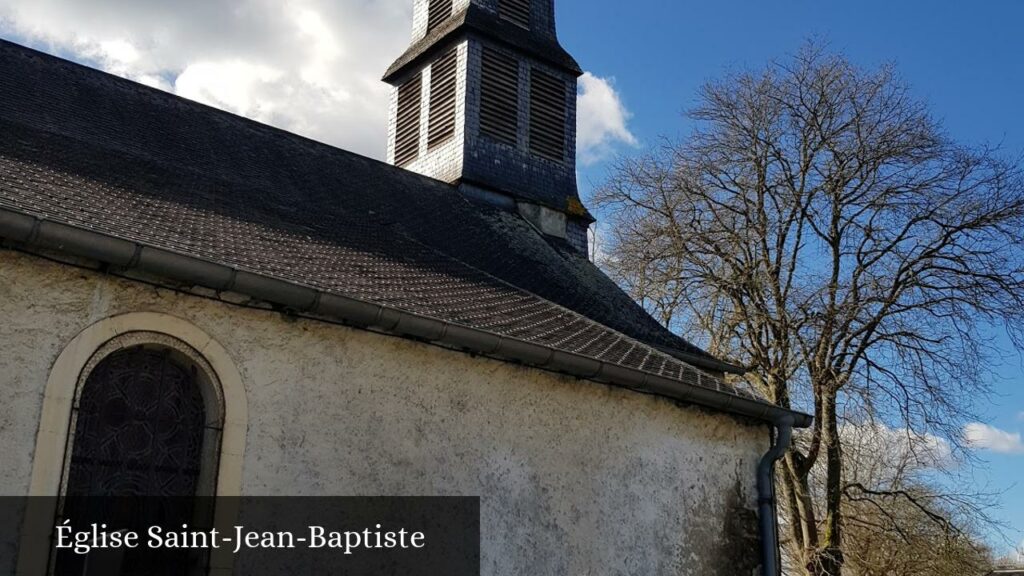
(802, 518)
(828, 560)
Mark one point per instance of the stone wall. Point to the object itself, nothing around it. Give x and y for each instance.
(575, 477)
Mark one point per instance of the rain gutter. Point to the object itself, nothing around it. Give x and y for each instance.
(38, 233)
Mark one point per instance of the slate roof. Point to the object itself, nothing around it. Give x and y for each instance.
(91, 150)
(476, 20)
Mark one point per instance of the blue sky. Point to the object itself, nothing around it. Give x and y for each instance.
(313, 66)
(965, 58)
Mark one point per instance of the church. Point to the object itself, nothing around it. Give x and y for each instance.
(196, 304)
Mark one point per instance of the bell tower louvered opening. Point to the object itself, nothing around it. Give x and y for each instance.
(442, 99)
(495, 115)
(407, 130)
(547, 115)
(515, 11)
(437, 12)
(499, 97)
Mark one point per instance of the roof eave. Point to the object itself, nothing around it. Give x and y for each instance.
(33, 232)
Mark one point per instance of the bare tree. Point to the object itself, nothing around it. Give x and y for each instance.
(898, 521)
(821, 229)
(901, 535)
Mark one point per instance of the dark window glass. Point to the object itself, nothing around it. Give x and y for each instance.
(138, 432)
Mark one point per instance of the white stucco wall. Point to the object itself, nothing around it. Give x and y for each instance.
(575, 477)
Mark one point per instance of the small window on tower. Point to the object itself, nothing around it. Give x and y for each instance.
(516, 11)
(547, 115)
(499, 97)
(442, 100)
(407, 133)
(437, 12)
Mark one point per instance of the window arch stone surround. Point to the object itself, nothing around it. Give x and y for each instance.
(224, 388)
(207, 382)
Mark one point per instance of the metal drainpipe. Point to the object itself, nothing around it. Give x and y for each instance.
(767, 525)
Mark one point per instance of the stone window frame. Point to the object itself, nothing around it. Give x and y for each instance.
(223, 385)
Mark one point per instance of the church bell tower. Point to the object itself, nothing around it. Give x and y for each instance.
(485, 99)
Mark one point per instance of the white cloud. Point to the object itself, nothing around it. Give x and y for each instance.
(984, 437)
(309, 66)
(237, 86)
(601, 120)
(877, 452)
(598, 238)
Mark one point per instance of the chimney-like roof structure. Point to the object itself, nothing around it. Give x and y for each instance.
(485, 98)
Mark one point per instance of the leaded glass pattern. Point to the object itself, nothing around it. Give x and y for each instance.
(135, 460)
(139, 427)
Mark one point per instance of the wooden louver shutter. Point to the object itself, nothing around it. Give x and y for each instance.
(437, 12)
(499, 97)
(442, 99)
(407, 135)
(516, 11)
(547, 115)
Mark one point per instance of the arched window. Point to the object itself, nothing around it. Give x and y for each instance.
(145, 438)
(138, 427)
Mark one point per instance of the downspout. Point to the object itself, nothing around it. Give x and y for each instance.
(767, 518)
